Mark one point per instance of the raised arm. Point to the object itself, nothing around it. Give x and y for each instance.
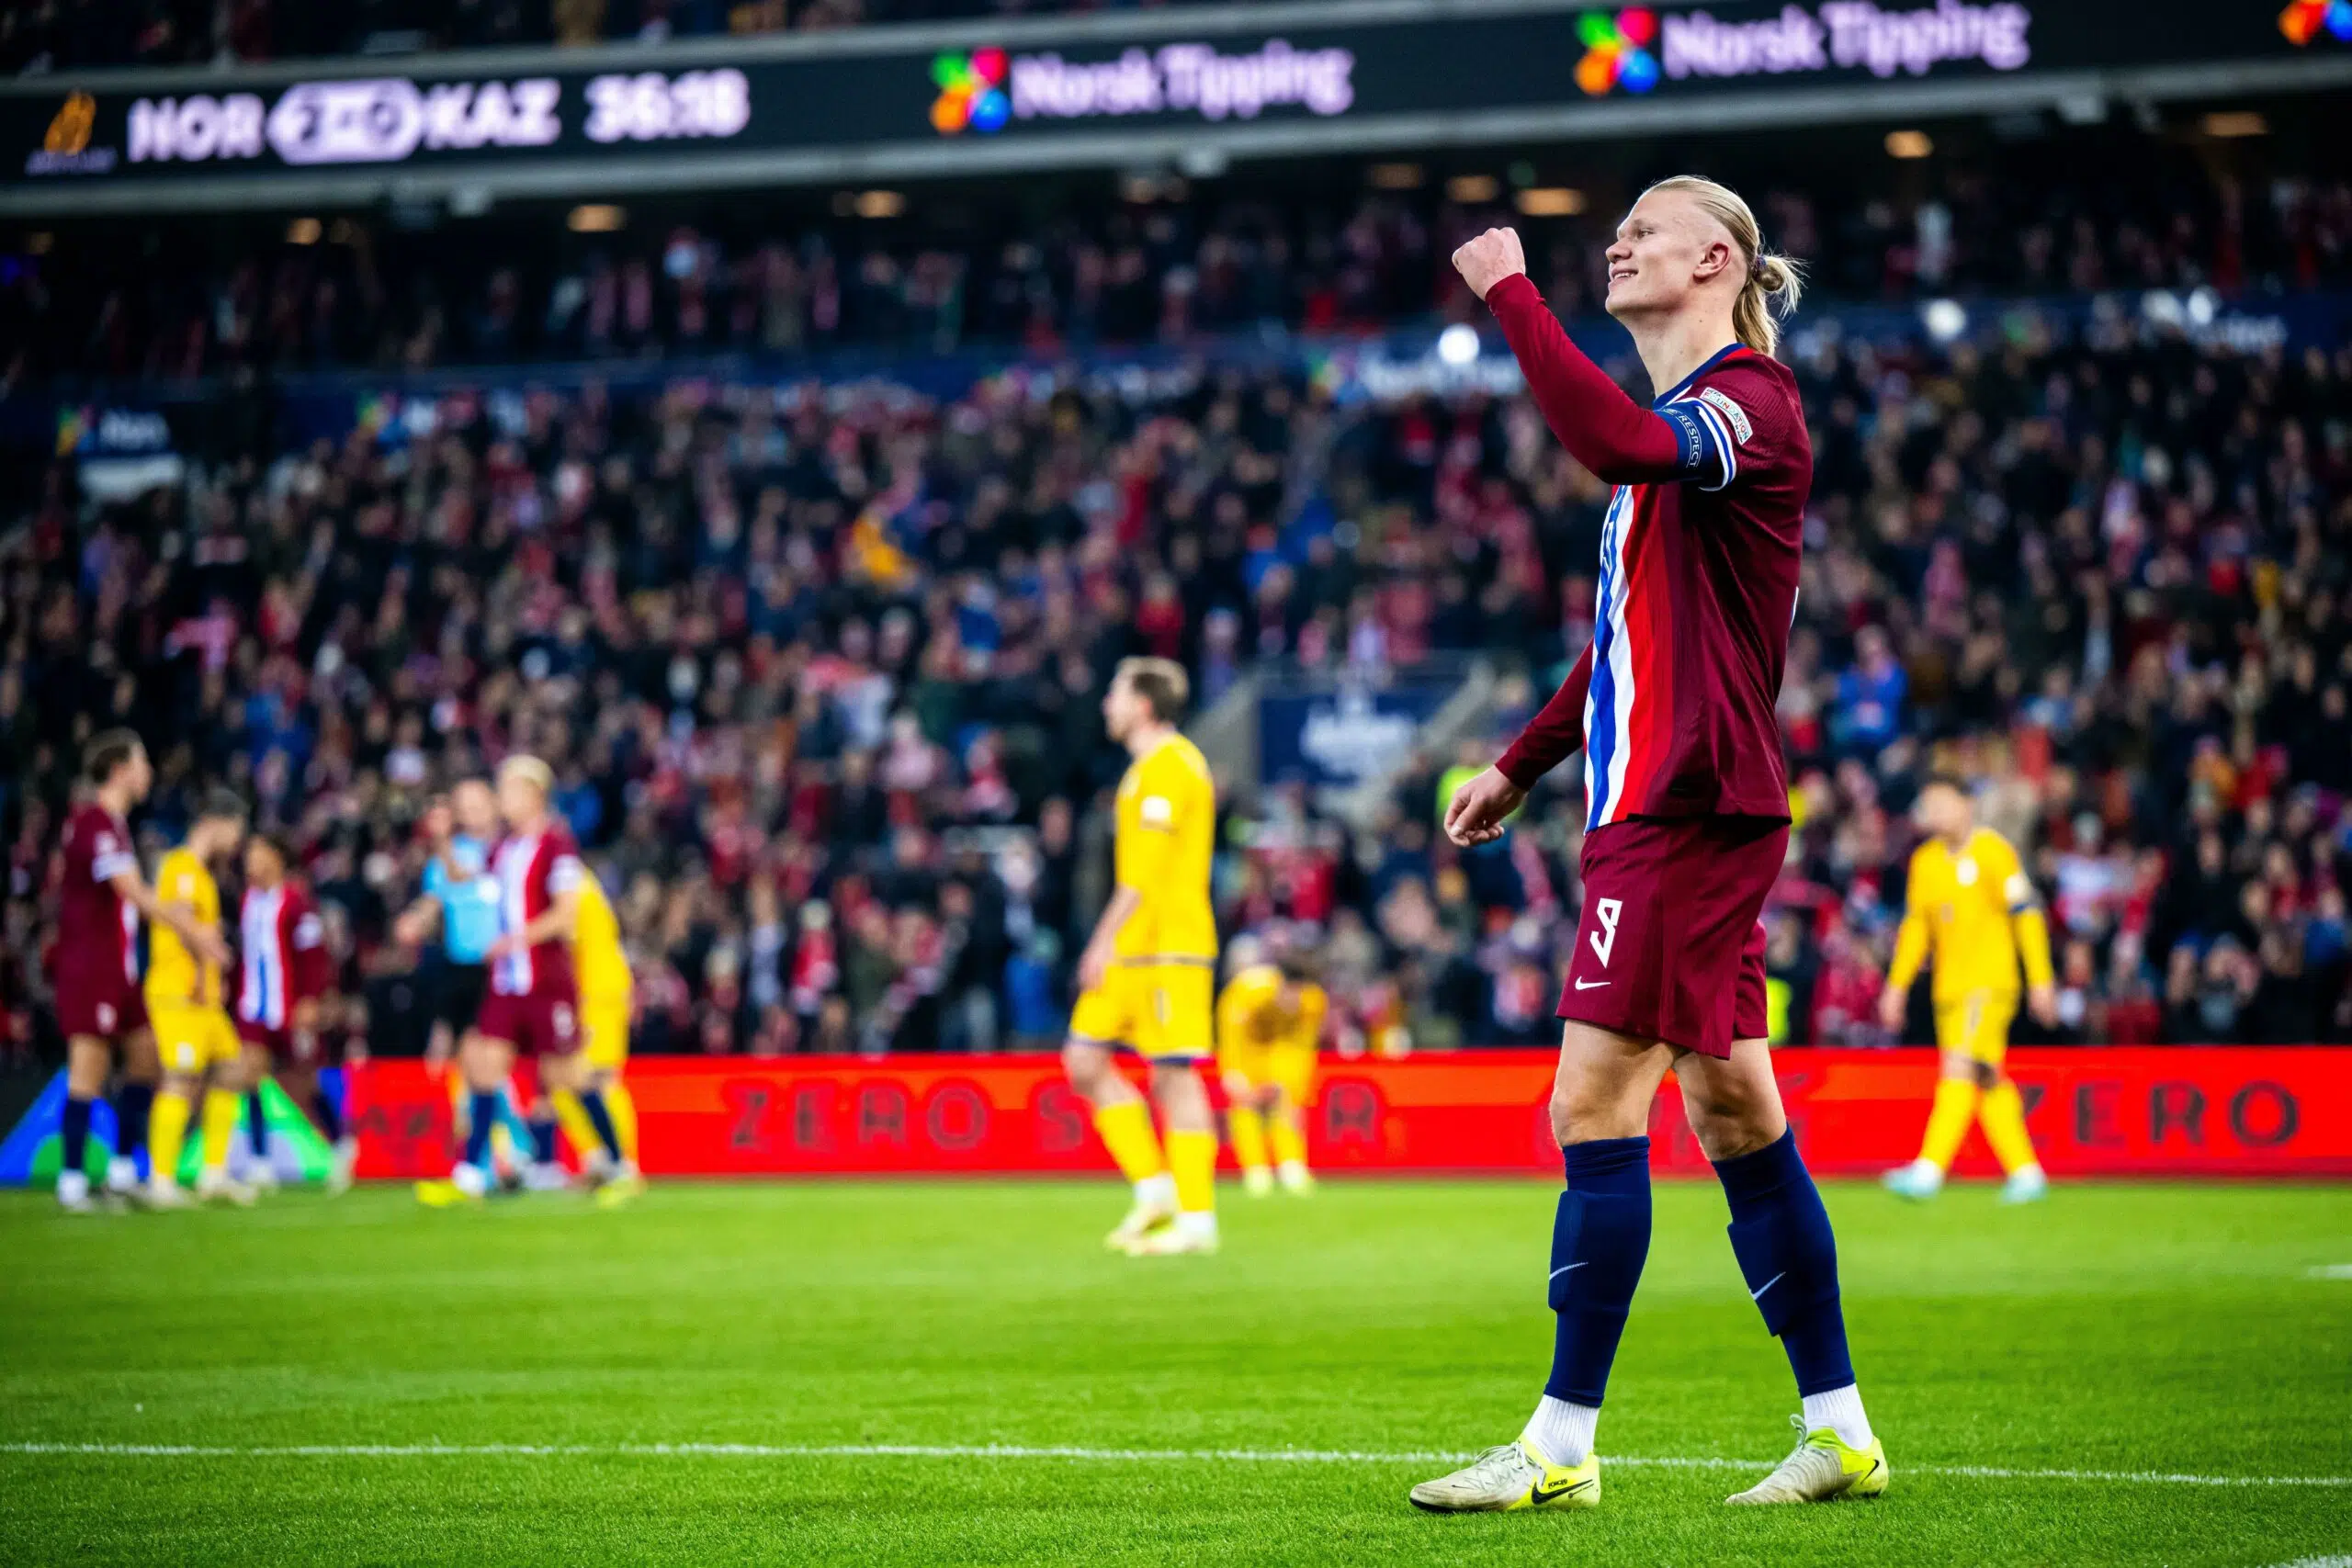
(1621, 442)
(1608, 433)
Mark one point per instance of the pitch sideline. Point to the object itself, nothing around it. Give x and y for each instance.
(1017, 1452)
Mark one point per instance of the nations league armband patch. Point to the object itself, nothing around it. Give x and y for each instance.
(1722, 403)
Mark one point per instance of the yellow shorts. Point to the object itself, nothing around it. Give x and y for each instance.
(1161, 1009)
(1288, 1067)
(1977, 1023)
(189, 1038)
(603, 1024)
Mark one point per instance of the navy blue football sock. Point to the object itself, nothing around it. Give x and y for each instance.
(74, 1134)
(257, 1124)
(543, 1139)
(328, 1113)
(600, 1116)
(481, 1117)
(132, 1102)
(1600, 1239)
(1781, 1234)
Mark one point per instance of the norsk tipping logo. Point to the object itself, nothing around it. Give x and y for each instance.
(1617, 52)
(971, 92)
(2306, 19)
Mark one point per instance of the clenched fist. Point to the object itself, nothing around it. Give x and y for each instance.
(1484, 802)
(1488, 259)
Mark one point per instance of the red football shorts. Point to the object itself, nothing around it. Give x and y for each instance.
(1670, 946)
(108, 1006)
(284, 1050)
(537, 1025)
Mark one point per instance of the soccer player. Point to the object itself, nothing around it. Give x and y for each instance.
(600, 968)
(1148, 971)
(1971, 902)
(287, 971)
(1269, 1021)
(532, 1008)
(1686, 825)
(95, 966)
(186, 1007)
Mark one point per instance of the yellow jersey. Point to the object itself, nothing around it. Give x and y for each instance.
(600, 966)
(1977, 910)
(1250, 1011)
(174, 976)
(1167, 827)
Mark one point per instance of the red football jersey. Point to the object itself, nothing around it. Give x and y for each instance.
(97, 929)
(532, 872)
(1673, 700)
(284, 954)
(1698, 590)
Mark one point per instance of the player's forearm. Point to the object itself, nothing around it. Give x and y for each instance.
(1124, 902)
(180, 918)
(554, 925)
(2033, 944)
(1554, 734)
(1910, 952)
(1618, 439)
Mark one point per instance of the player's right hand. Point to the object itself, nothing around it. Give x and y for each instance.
(1488, 259)
(1892, 1005)
(1479, 807)
(209, 946)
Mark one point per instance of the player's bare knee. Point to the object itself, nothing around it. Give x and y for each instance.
(1085, 1063)
(87, 1061)
(1987, 1076)
(1582, 1111)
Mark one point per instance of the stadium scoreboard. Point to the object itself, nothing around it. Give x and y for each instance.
(1105, 90)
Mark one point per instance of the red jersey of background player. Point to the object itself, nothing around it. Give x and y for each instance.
(284, 956)
(1674, 700)
(532, 871)
(97, 929)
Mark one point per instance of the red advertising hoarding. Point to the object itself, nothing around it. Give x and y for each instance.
(2106, 1112)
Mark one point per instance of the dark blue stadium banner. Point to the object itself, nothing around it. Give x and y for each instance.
(1342, 739)
(1212, 72)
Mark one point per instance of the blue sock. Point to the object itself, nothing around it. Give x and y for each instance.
(328, 1113)
(256, 1125)
(132, 1102)
(1600, 1239)
(600, 1116)
(482, 1116)
(74, 1134)
(543, 1140)
(1781, 1234)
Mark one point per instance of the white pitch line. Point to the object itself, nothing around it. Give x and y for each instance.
(2328, 1272)
(1114, 1456)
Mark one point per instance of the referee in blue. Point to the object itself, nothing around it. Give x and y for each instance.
(461, 898)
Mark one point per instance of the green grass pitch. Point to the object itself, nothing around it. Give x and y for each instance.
(2088, 1347)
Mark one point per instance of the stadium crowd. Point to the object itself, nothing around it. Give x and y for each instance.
(2096, 211)
(820, 668)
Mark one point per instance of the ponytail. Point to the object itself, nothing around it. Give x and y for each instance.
(1775, 282)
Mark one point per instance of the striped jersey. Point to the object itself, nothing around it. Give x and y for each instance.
(282, 951)
(1696, 591)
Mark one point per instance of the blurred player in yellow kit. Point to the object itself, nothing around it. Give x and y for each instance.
(193, 1034)
(601, 968)
(1269, 1021)
(1150, 970)
(1971, 904)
